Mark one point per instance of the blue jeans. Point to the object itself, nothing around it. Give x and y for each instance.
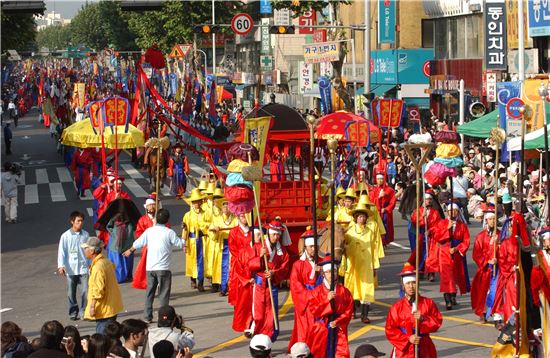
(100, 324)
(73, 281)
(162, 279)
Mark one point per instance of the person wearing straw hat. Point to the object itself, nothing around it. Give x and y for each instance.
(343, 216)
(485, 257)
(401, 320)
(218, 234)
(364, 249)
(454, 240)
(276, 271)
(240, 279)
(383, 196)
(303, 279)
(429, 215)
(325, 305)
(178, 168)
(195, 224)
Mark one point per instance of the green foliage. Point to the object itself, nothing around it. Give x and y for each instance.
(173, 24)
(18, 32)
(102, 24)
(55, 37)
(300, 7)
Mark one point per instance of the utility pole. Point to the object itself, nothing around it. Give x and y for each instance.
(213, 39)
(366, 65)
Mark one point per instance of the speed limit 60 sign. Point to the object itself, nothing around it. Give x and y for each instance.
(242, 24)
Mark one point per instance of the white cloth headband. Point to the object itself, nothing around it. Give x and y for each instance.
(309, 241)
(273, 231)
(407, 279)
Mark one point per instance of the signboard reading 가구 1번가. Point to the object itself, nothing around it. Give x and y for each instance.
(321, 52)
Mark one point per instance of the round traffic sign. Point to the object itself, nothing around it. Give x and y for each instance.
(426, 68)
(242, 23)
(513, 107)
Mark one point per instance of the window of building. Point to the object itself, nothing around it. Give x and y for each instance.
(458, 37)
(427, 33)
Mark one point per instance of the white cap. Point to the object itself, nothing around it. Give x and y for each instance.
(379, 175)
(489, 164)
(409, 278)
(149, 201)
(261, 342)
(526, 182)
(299, 349)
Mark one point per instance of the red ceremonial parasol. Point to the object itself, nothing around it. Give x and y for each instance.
(346, 126)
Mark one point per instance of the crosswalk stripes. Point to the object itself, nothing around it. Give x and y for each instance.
(56, 191)
(31, 194)
(135, 188)
(64, 175)
(90, 212)
(131, 171)
(41, 176)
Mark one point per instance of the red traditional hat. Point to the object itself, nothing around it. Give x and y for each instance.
(408, 270)
(429, 192)
(276, 225)
(326, 263)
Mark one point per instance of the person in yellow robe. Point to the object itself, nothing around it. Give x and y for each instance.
(339, 200)
(218, 234)
(210, 208)
(195, 225)
(342, 215)
(364, 249)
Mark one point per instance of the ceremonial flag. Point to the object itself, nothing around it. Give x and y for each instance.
(212, 115)
(255, 132)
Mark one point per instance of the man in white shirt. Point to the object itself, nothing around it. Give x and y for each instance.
(159, 240)
(72, 263)
(134, 332)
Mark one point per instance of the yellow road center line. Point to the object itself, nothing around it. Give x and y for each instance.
(449, 318)
(363, 330)
(282, 312)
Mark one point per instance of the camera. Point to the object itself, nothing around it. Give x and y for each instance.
(181, 325)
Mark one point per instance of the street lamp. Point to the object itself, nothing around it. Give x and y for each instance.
(204, 55)
(544, 93)
(312, 122)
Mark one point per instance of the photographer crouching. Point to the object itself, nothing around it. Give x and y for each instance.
(10, 179)
(171, 327)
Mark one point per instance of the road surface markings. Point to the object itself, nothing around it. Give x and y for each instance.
(5, 310)
(31, 194)
(90, 212)
(135, 188)
(56, 192)
(282, 312)
(399, 245)
(64, 175)
(131, 171)
(41, 176)
(89, 195)
(199, 170)
(363, 330)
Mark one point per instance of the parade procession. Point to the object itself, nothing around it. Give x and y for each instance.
(273, 178)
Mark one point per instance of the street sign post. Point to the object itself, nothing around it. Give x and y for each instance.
(242, 24)
(513, 107)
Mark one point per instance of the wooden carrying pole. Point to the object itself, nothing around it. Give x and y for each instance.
(159, 156)
(497, 136)
(252, 175)
(418, 167)
(332, 144)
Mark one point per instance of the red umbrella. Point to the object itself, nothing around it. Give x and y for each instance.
(346, 125)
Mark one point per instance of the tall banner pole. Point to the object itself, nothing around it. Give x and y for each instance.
(332, 144)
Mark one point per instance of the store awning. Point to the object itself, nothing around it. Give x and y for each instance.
(417, 102)
(481, 127)
(377, 89)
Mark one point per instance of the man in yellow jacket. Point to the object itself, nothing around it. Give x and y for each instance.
(104, 299)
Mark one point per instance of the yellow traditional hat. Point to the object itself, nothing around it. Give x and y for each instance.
(210, 188)
(365, 200)
(202, 185)
(218, 193)
(340, 192)
(360, 208)
(350, 193)
(361, 188)
(196, 195)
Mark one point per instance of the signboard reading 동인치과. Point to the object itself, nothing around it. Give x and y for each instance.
(321, 52)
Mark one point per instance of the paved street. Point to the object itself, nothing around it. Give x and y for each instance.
(32, 293)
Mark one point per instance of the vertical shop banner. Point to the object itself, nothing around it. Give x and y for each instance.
(539, 17)
(265, 45)
(306, 76)
(386, 21)
(506, 91)
(495, 35)
(530, 95)
(307, 19)
(325, 90)
(491, 86)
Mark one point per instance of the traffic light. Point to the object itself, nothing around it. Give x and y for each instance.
(282, 30)
(206, 29)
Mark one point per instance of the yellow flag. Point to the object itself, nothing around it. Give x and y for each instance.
(256, 131)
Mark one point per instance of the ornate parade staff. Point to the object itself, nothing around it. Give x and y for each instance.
(497, 136)
(332, 144)
(425, 150)
(159, 144)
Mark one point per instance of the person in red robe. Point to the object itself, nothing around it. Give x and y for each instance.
(303, 280)
(276, 271)
(332, 311)
(240, 278)
(454, 240)
(383, 196)
(144, 222)
(484, 256)
(81, 165)
(401, 321)
(429, 217)
(110, 190)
